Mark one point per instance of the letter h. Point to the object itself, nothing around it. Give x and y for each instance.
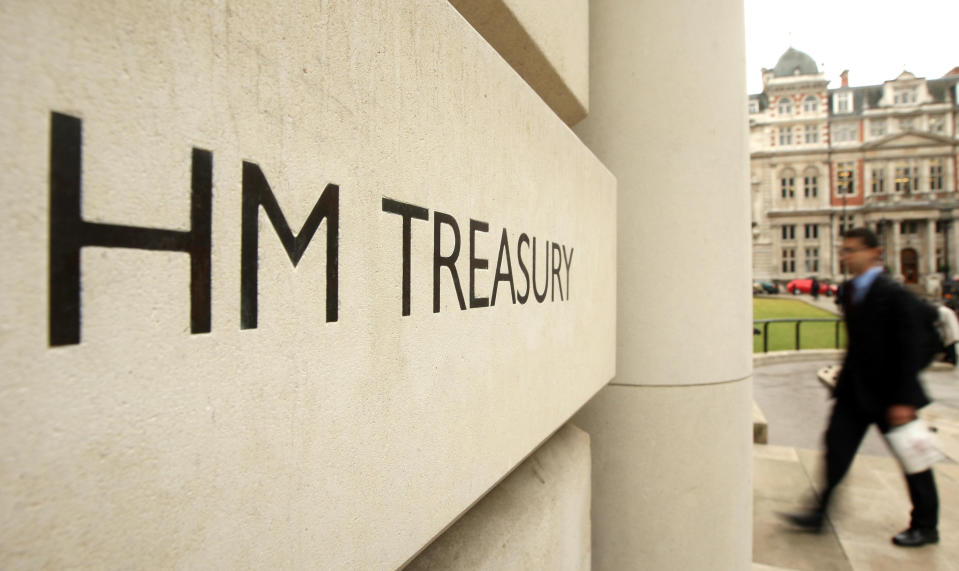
(69, 232)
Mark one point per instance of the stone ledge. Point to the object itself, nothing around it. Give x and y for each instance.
(777, 357)
(526, 37)
(760, 426)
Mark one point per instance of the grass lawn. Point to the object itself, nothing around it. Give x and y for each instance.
(782, 336)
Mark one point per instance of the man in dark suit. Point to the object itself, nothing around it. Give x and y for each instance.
(878, 384)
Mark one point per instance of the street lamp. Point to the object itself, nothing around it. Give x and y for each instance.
(903, 183)
(844, 187)
(945, 220)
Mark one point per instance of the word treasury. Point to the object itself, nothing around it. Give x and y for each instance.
(526, 268)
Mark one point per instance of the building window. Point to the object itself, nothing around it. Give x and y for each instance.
(812, 260)
(842, 102)
(877, 127)
(904, 95)
(785, 106)
(878, 181)
(845, 180)
(846, 223)
(810, 186)
(906, 124)
(785, 135)
(812, 230)
(787, 186)
(810, 104)
(905, 181)
(909, 227)
(940, 226)
(789, 260)
(812, 133)
(843, 132)
(937, 124)
(940, 260)
(789, 232)
(935, 174)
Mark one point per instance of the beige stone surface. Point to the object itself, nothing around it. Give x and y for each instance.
(761, 567)
(537, 518)
(806, 355)
(670, 122)
(672, 434)
(871, 506)
(780, 485)
(547, 43)
(301, 443)
(671, 480)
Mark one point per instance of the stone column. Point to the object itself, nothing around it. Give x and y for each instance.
(801, 250)
(953, 245)
(893, 257)
(929, 258)
(671, 436)
(836, 241)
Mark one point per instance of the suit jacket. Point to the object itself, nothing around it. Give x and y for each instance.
(883, 361)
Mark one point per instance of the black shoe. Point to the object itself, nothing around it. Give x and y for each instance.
(807, 521)
(914, 537)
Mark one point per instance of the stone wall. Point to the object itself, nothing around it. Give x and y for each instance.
(220, 348)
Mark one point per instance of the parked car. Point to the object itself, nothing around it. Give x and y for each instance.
(799, 286)
(950, 294)
(760, 286)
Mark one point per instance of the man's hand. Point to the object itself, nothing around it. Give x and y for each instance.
(900, 414)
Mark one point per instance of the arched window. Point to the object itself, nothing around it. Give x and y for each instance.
(785, 106)
(811, 103)
(810, 182)
(787, 184)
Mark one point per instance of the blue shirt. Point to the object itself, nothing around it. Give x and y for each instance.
(862, 283)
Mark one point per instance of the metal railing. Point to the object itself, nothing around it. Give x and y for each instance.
(798, 321)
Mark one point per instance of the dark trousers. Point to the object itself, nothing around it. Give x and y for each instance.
(847, 428)
(950, 354)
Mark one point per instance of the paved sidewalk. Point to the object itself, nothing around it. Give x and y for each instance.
(872, 504)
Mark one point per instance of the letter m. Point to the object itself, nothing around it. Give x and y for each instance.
(257, 193)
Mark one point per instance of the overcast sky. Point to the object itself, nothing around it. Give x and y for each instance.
(874, 40)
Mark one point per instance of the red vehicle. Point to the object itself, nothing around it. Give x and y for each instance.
(797, 287)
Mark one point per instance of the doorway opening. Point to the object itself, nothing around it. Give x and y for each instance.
(910, 265)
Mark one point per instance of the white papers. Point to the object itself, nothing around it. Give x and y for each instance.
(915, 446)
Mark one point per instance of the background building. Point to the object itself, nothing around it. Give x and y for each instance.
(822, 160)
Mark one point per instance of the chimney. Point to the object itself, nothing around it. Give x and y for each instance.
(845, 78)
(767, 75)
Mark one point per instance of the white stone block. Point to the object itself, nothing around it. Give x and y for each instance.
(679, 460)
(547, 43)
(537, 518)
(304, 442)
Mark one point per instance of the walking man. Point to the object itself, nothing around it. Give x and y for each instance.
(879, 383)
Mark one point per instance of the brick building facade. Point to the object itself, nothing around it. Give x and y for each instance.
(822, 160)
